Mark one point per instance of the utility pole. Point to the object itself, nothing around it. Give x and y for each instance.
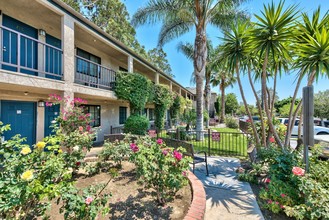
(308, 122)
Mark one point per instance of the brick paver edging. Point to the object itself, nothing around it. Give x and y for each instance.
(198, 204)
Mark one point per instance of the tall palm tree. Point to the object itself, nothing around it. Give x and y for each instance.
(179, 17)
(235, 52)
(312, 50)
(269, 38)
(188, 50)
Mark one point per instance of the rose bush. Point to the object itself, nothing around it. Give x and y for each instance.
(160, 167)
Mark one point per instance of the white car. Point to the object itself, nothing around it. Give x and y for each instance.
(318, 130)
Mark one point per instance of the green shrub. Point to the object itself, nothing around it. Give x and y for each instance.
(136, 124)
(159, 167)
(231, 122)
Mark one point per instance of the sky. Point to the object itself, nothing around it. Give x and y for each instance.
(182, 68)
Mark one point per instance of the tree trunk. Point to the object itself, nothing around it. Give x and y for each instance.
(246, 104)
(207, 97)
(222, 88)
(259, 108)
(264, 94)
(199, 62)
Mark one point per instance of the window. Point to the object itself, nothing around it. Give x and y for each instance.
(89, 68)
(122, 115)
(151, 114)
(95, 114)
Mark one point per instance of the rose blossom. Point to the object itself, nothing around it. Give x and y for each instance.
(177, 155)
(80, 128)
(159, 141)
(267, 180)
(272, 140)
(165, 152)
(269, 201)
(297, 171)
(184, 173)
(88, 200)
(283, 195)
(134, 147)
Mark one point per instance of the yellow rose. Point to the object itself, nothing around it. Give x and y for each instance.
(26, 150)
(27, 175)
(60, 151)
(40, 145)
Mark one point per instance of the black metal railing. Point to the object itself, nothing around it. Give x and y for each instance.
(93, 74)
(213, 142)
(24, 54)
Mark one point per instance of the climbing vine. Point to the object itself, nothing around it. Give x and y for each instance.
(163, 99)
(134, 88)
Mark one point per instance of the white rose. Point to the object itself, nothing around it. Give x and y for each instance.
(76, 148)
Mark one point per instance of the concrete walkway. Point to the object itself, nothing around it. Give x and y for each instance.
(227, 197)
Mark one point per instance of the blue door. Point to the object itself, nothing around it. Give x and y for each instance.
(22, 118)
(28, 47)
(51, 113)
(53, 58)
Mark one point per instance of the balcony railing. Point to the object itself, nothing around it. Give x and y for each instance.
(24, 54)
(93, 74)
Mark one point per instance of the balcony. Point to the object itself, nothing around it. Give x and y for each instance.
(24, 54)
(92, 74)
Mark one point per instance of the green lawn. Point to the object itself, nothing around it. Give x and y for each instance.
(232, 142)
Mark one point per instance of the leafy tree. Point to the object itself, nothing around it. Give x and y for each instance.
(179, 17)
(163, 99)
(159, 58)
(321, 104)
(231, 103)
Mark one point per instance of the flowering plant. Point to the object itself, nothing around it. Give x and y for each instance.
(297, 171)
(160, 167)
(74, 133)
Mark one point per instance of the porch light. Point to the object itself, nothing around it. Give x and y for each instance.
(41, 103)
(42, 32)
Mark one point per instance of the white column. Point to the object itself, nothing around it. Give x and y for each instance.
(41, 54)
(170, 86)
(68, 55)
(130, 64)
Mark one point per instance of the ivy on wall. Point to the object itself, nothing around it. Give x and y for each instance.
(163, 99)
(134, 88)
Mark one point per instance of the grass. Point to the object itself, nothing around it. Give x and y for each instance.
(232, 142)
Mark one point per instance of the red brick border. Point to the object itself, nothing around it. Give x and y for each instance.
(198, 205)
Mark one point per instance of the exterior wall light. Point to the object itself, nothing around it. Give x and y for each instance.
(42, 32)
(41, 103)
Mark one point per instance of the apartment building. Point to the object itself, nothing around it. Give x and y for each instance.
(48, 48)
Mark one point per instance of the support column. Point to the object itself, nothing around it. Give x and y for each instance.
(41, 53)
(68, 55)
(170, 86)
(130, 64)
(40, 123)
(156, 79)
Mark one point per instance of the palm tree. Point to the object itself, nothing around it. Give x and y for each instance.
(235, 52)
(179, 17)
(223, 78)
(312, 50)
(269, 38)
(188, 50)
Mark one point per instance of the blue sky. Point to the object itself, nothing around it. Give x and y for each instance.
(182, 68)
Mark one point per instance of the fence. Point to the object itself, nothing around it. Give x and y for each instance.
(211, 141)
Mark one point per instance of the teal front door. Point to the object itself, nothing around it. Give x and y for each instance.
(51, 113)
(22, 118)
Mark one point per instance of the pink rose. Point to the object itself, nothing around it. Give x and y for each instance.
(88, 200)
(267, 180)
(277, 203)
(283, 195)
(177, 155)
(184, 173)
(282, 206)
(269, 201)
(272, 140)
(49, 104)
(134, 147)
(297, 171)
(159, 141)
(165, 152)
(80, 128)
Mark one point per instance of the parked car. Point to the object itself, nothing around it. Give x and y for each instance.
(318, 130)
(246, 118)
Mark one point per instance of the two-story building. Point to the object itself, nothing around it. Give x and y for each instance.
(48, 48)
